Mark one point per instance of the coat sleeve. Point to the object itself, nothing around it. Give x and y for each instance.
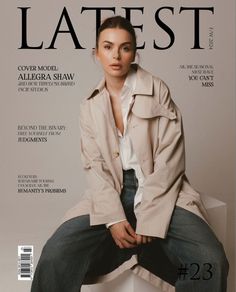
(106, 204)
(162, 186)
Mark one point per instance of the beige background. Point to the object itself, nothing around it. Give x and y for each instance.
(209, 113)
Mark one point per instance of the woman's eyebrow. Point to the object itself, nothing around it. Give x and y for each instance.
(125, 43)
(107, 42)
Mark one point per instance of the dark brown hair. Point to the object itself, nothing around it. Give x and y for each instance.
(118, 22)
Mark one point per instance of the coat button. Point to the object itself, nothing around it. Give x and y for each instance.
(116, 154)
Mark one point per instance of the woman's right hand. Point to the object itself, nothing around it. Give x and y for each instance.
(123, 234)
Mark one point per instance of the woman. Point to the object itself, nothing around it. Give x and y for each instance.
(139, 211)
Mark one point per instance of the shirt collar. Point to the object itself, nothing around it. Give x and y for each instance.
(130, 82)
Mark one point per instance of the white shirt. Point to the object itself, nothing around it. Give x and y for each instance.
(127, 155)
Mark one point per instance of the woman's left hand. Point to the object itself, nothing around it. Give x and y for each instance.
(143, 239)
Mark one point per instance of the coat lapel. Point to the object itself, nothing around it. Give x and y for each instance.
(107, 135)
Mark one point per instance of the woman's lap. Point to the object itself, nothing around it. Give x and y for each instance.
(189, 240)
(77, 250)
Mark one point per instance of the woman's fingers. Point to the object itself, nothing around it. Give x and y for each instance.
(121, 234)
(142, 239)
(138, 239)
(130, 230)
(118, 243)
(125, 236)
(149, 239)
(126, 244)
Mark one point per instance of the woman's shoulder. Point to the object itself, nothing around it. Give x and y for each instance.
(87, 102)
(96, 90)
(148, 76)
(88, 99)
(154, 84)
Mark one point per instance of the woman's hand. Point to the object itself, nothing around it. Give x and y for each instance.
(143, 239)
(123, 234)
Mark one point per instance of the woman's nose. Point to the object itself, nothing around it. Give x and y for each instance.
(116, 54)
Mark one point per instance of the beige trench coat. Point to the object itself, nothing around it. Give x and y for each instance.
(156, 131)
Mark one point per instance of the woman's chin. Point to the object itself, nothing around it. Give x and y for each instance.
(117, 73)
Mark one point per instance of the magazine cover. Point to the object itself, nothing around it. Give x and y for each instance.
(50, 70)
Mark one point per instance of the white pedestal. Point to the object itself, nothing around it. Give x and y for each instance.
(217, 211)
(129, 282)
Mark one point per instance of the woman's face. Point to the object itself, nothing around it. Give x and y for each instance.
(115, 52)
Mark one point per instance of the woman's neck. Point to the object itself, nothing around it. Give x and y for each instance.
(114, 85)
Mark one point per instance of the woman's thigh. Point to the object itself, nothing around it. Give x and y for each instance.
(190, 243)
(191, 239)
(73, 236)
(66, 256)
(82, 249)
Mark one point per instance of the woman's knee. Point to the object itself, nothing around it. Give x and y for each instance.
(214, 256)
(222, 259)
(59, 241)
(52, 251)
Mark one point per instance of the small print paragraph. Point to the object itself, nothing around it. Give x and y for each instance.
(32, 184)
(202, 74)
(39, 133)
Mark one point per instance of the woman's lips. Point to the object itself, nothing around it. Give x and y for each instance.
(116, 66)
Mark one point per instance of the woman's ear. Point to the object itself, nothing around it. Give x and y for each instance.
(136, 58)
(95, 53)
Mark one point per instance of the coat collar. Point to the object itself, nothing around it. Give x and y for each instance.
(144, 83)
(144, 106)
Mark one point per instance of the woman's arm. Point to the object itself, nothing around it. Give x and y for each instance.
(106, 204)
(161, 188)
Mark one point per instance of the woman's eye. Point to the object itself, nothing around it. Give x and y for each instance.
(107, 47)
(126, 49)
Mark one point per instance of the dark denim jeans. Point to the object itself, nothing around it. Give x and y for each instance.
(77, 251)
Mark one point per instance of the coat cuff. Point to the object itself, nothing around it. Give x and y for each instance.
(114, 222)
(153, 223)
(96, 219)
(147, 230)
